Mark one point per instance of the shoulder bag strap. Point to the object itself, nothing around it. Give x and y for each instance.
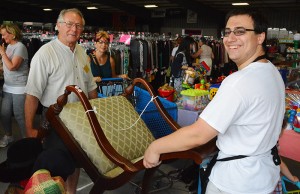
(93, 57)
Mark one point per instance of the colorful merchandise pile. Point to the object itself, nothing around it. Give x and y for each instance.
(293, 109)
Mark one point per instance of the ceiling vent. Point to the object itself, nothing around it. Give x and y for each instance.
(158, 13)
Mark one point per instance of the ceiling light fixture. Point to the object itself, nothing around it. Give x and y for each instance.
(47, 9)
(237, 4)
(150, 6)
(91, 8)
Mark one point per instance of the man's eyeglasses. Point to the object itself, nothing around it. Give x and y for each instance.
(103, 42)
(239, 31)
(71, 24)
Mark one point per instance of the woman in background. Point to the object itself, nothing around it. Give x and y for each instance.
(182, 60)
(205, 53)
(15, 66)
(174, 50)
(102, 64)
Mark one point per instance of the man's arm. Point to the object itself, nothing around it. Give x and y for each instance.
(93, 94)
(31, 105)
(186, 138)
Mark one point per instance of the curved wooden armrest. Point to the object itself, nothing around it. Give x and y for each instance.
(100, 137)
(129, 90)
(197, 154)
(189, 154)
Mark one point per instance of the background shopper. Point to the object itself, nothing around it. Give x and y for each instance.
(205, 54)
(182, 60)
(15, 66)
(102, 64)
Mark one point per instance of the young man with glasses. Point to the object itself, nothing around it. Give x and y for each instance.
(57, 64)
(246, 115)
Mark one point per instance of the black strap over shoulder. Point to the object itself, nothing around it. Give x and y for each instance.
(259, 58)
(232, 158)
(93, 57)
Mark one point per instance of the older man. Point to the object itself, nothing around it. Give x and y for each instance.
(59, 63)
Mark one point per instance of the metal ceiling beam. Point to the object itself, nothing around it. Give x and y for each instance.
(32, 12)
(197, 7)
(55, 5)
(202, 9)
(19, 12)
(128, 8)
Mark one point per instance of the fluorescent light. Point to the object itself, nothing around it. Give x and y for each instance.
(150, 6)
(240, 3)
(91, 7)
(47, 9)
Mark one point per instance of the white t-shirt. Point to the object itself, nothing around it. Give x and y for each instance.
(15, 80)
(206, 57)
(247, 111)
(54, 67)
(206, 52)
(174, 51)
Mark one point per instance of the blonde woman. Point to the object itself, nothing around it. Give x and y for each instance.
(102, 64)
(15, 67)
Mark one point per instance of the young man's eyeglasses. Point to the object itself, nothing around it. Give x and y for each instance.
(239, 31)
(71, 24)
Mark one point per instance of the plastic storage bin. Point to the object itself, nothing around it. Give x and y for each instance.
(154, 121)
(110, 87)
(194, 99)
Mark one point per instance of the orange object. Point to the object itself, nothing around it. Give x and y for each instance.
(167, 94)
(200, 86)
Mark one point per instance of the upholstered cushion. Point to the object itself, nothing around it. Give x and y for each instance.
(117, 118)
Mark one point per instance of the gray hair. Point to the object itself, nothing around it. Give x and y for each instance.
(64, 11)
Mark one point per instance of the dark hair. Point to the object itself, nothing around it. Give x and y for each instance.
(203, 40)
(260, 23)
(185, 47)
(179, 40)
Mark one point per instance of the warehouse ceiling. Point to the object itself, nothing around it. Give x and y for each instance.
(32, 10)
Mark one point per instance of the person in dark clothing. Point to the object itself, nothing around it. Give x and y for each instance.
(229, 68)
(182, 60)
(102, 64)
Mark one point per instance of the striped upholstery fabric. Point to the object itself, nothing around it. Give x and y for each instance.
(116, 116)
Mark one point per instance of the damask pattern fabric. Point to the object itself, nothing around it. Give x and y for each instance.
(116, 116)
